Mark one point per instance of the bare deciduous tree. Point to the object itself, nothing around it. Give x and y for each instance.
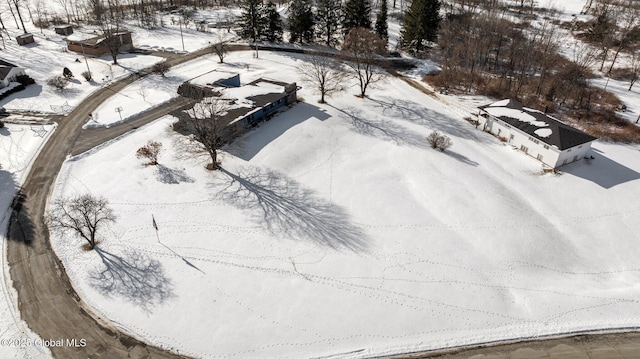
(143, 92)
(363, 47)
(220, 48)
(83, 215)
(324, 74)
(635, 69)
(150, 151)
(161, 68)
(206, 121)
(58, 82)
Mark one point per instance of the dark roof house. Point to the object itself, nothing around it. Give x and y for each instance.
(552, 141)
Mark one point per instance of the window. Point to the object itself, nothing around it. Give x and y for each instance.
(580, 146)
(534, 140)
(569, 150)
(546, 147)
(524, 149)
(539, 157)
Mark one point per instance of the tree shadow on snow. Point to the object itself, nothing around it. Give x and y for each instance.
(384, 129)
(286, 208)
(419, 114)
(462, 158)
(21, 227)
(133, 276)
(172, 176)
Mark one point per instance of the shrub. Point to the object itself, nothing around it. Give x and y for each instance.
(439, 141)
(161, 68)
(25, 80)
(150, 151)
(86, 75)
(58, 82)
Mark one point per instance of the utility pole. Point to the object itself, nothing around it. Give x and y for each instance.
(181, 37)
(85, 60)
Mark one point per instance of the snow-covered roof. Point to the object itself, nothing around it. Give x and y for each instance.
(81, 36)
(537, 124)
(212, 78)
(91, 38)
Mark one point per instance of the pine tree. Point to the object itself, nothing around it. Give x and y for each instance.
(328, 20)
(252, 21)
(301, 21)
(273, 31)
(421, 23)
(381, 21)
(357, 13)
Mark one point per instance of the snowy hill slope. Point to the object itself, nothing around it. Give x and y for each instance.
(336, 229)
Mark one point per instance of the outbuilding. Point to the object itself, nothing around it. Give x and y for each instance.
(543, 137)
(24, 39)
(64, 30)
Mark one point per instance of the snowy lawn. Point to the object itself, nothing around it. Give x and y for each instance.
(336, 229)
(18, 145)
(47, 57)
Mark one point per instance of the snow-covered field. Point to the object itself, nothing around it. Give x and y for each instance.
(335, 229)
(18, 145)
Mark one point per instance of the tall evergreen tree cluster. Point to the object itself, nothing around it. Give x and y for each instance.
(421, 22)
(301, 21)
(328, 14)
(260, 21)
(332, 19)
(357, 13)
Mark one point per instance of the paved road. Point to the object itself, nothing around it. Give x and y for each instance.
(90, 138)
(586, 346)
(46, 298)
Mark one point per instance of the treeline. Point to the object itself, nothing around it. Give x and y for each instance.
(490, 51)
(328, 21)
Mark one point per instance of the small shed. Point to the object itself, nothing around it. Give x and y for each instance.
(24, 39)
(64, 30)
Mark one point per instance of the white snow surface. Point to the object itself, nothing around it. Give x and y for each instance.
(516, 114)
(18, 145)
(336, 230)
(543, 132)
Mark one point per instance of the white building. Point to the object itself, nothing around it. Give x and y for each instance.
(8, 73)
(543, 137)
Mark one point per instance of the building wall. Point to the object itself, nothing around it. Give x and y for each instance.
(101, 48)
(88, 50)
(574, 154)
(523, 141)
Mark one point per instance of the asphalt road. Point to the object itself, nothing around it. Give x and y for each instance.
(53, 310)
(585, 346)
(47, 301)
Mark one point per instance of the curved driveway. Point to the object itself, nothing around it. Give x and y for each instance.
(46, 298)
(53, 310)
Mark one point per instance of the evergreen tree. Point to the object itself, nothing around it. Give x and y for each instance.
(252, 21)
(328, 20)
(421, 23)
(273, 31)
(301, 21)
(357, 13)
(381, 21)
